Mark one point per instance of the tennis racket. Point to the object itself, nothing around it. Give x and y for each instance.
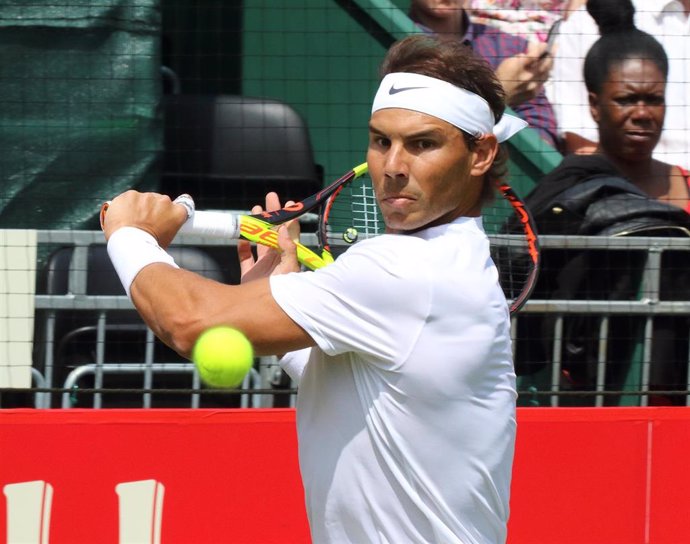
(348, 212)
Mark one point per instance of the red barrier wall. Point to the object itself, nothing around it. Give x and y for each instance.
(581, 475)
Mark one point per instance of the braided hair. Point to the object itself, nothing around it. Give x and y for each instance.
(620, 40)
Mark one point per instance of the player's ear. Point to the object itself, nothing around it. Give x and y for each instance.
(483, 154)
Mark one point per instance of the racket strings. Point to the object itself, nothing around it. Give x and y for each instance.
(352, 215)
(366, 216)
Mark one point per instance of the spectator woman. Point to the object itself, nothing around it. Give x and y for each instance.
(669, 22)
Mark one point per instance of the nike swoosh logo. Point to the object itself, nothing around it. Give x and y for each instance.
(393, 90)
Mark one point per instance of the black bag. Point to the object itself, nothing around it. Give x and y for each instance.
(609, 206)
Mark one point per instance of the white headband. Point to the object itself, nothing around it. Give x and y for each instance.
(460, 108)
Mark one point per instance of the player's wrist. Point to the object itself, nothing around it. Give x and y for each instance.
(131, 250)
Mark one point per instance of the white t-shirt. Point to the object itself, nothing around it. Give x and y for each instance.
(406, 409)
(566, 90)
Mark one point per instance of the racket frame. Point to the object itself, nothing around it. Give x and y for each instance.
(533, 249)
(259, 228)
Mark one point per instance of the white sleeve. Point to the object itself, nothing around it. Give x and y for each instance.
(294, 363)
(348, 305)
(566, 90)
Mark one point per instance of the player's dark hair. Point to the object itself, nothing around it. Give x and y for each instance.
(449, 59)
(620, 41)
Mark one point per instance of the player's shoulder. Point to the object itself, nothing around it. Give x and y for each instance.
(390, 242)
(389, 251)
(413, 250)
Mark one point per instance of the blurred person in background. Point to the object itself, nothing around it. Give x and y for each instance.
(669, 22)
(530, 19)
(520, 66)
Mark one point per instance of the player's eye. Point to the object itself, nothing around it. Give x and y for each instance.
(424, 144)
(379, 141)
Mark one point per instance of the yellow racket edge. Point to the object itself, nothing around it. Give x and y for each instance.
(261, 232)
(361, 169)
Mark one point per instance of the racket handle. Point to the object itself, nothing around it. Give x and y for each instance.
(226, 225)
(213, 224)
(210, 224)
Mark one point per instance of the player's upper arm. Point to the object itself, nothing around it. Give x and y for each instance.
(179, 305)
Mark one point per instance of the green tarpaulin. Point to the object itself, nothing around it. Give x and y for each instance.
(79, 94)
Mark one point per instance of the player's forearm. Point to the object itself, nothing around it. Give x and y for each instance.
(166, 306)
(179, 305)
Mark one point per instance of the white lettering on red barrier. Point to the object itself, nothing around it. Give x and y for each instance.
(28, 512)
(29, 506)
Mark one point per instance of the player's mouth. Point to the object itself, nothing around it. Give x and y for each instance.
(397, 201)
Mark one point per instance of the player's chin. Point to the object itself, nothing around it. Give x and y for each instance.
(399, 223)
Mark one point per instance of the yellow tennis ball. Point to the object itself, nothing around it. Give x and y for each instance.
(223, 356)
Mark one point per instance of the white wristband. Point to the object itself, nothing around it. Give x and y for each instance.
(130, 250)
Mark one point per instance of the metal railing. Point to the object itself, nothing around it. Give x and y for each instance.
(648, 305)
(253, 392)
(265, 381)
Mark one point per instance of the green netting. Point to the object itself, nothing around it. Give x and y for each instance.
(80, 86)
(323, 58)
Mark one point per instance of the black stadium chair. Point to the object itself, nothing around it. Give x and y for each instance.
(229, 151)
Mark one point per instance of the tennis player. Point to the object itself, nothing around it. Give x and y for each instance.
(406, 403)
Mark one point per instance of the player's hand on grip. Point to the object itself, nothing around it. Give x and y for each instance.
(151, 212)
(269, 261)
